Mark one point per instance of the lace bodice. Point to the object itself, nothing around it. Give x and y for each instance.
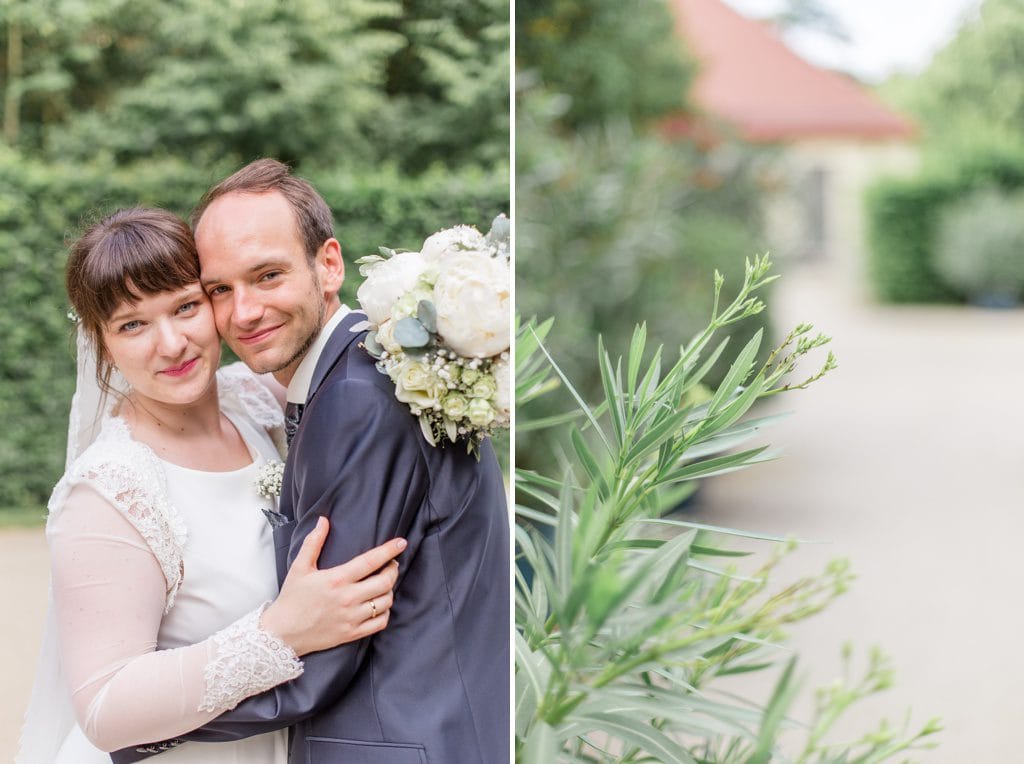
(118, 549)
(130, 476)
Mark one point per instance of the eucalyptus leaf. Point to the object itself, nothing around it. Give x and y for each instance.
(426, 314)
(410, 333)
(501, 230)
(373, 347)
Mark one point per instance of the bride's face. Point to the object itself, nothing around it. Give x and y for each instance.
(165, 345)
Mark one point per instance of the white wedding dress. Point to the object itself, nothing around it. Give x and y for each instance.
(159, 575)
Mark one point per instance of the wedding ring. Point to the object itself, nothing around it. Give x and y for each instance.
(373, 609)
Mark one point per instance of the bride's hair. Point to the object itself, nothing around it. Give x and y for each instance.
(126, 255)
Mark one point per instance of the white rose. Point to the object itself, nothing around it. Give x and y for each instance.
(485, 387)
(416, 384)
(454, 405)
(386, 337)
(480, 413)
(472, 300)
(502, 377)
(387, 282)
(451, 241)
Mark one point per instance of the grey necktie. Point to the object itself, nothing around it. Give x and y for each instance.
(292, 415)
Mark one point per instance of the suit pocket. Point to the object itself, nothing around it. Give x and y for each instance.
(283, 534)
(321, 750)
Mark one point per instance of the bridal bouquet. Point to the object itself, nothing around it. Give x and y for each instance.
(439, 325)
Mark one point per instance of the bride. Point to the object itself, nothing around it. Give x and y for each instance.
(162, 552)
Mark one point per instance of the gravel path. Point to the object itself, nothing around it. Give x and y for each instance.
(907, 460)
(23, 582)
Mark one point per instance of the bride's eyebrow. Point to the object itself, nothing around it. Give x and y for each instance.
(122, 314)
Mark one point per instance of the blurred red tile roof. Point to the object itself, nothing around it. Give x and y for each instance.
(750, 79)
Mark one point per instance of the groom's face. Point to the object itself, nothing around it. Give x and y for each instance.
(268, 300)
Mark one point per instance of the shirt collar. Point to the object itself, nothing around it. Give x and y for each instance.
(298, 388)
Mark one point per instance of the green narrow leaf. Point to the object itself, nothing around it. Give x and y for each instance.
(535, 516)
(670, 566)
(710, 551)
(588, 462)
(635, 732)
(531, 669)
(775, 713)
(528, 339)
(529, 425)
(575, 394)
(715, 466)
(738, 372)
(636, 356)
(654, 437)
(612, 394)
(540, 744)
(564, 541)
(737, 407)
(545, 498)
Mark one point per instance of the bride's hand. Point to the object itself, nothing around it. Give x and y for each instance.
(318, 609)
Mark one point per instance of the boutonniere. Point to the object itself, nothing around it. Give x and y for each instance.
(268, 485)
(268, 482)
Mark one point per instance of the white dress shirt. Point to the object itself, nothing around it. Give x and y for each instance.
(298, 388)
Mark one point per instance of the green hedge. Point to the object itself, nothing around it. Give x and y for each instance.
(42, 208)
(904, 215)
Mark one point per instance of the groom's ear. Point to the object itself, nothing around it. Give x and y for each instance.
(330, 268)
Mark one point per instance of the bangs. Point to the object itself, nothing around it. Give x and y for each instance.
(134, 258)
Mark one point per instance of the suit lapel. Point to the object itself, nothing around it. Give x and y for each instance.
(336, 346)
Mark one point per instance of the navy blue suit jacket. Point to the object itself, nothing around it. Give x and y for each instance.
(434, 685)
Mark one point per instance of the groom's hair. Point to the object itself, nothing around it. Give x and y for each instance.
(313, 219)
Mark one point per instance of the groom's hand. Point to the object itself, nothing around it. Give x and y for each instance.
(318, 609)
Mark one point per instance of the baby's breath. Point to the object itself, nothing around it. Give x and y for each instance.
(268, 482)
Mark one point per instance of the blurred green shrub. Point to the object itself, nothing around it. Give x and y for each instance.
(614, 60)
(412, 82)
(904, 217)
(980, 247)
(42, 208)
(613, 226)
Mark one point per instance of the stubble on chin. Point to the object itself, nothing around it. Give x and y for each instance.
(302, 347)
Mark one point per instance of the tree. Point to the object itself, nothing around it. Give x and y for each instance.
(298, 81)
(408, 82)
(448, 83)
(978, 74)
(612, 58)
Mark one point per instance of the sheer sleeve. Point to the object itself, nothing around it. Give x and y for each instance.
(109, 594)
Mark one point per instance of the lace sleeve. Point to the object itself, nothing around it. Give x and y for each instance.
(243, 391)
(129, 476)
(109, 594)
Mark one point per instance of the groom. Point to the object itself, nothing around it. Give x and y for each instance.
(433, 685)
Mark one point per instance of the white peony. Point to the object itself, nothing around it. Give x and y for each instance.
(387, 282)
(451, 241)
(408, 303)
(472, 299)
(503, 398)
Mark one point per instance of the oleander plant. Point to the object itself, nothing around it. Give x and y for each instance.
(630, 617)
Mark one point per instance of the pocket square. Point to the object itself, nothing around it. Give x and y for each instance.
(276, 519)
